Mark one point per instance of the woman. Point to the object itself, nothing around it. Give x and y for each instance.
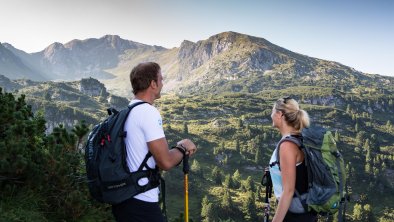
(288, 170)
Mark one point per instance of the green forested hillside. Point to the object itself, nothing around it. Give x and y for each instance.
(235, 140)
(234, 133)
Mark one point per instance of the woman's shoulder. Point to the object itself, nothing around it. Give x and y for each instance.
(288, 147)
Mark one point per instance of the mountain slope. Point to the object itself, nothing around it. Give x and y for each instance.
(225, 62)
(12, 66)
(234, 62)
(66, 102)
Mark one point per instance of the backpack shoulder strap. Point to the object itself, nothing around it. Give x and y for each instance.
(149, 154)
(136, 104)
(297, 140)
(120, 129)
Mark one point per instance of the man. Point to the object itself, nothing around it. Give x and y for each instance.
(146, 124)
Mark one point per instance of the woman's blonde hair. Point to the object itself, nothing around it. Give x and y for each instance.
(294, 116)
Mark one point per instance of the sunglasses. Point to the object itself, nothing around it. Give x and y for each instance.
(285, 99)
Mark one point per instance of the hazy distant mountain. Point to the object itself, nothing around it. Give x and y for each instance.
(226, 62)
(13, 66)
(74, 60)
(90, 57)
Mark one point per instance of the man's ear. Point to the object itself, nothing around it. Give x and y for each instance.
(153, 84)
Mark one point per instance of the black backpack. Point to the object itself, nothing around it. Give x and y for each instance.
(109, 178)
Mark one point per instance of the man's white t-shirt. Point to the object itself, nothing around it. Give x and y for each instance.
(144, 124)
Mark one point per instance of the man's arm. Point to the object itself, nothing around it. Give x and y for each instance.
(167, 159)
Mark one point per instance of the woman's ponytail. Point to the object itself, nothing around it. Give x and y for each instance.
(294, 116)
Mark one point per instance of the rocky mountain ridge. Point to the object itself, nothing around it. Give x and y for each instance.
(226, 62)
(76, 59)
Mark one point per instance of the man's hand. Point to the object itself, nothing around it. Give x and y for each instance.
(189, 146)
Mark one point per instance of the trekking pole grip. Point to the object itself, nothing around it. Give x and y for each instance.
(186, 164)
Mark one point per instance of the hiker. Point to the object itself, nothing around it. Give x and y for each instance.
(145, 123)
(290, 173)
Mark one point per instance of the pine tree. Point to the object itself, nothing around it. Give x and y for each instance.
(22, 148)
(265, 136)
(185, 128)
(207, 211)
(388, 125)
(204, 203)
(169, 128)
(337, 136)
(236, 178)
(360, 138)
(196, 168)
(240, 123)
(249, 207)
(357, 212)
(348, 109)
(368, 168)
(80, 130)
(34, 164)
(237, 146)
(258, 159)
(248, 184)
(374, 143)
(228, 182)
(217, 175)
(366, 146)
(226, 203)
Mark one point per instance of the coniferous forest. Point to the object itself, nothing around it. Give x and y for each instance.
(42, 171)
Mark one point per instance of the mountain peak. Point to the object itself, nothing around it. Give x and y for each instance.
(53, 48)
(111, 37)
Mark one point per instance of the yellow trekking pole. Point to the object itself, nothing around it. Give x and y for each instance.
(186, 185)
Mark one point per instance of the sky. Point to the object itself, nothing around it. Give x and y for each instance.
(356, 33)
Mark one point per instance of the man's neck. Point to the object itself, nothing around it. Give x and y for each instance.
(145, 98)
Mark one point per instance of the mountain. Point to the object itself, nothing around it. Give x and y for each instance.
(13, 66)
(226, 62)
(91, 57)
(66, 102)
(234, 62)
(8, 85)
(74, 60)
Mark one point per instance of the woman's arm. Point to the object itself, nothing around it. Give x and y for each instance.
(288, 159)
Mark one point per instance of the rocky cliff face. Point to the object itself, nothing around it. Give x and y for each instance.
(92, 87)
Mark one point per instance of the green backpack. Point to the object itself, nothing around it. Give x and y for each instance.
(326, 171)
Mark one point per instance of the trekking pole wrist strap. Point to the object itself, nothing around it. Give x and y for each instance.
(181, 149)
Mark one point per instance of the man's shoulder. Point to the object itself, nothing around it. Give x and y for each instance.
(144, 108)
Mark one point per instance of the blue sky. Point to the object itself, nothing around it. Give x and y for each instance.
(357, 33)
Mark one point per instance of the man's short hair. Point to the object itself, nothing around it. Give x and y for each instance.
(142, 75)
